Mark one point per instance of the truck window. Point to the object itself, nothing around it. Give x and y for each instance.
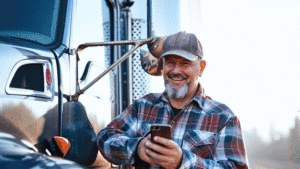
(32, 20)
(29, 77)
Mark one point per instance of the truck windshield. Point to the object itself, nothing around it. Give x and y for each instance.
(31, 20)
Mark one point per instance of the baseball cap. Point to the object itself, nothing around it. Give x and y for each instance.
(183, 44)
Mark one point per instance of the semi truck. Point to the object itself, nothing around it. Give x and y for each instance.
(67, 68)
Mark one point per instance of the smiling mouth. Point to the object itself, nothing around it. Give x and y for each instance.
(177, 77)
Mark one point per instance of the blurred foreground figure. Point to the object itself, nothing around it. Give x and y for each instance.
(205, 133)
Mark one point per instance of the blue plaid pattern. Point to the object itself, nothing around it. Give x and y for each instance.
(207, 131)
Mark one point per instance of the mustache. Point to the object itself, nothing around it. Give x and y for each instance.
(172, 75)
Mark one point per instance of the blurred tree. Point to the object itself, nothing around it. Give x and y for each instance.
(253, 142)
(274, 134)
(293, 146)
(276, 149)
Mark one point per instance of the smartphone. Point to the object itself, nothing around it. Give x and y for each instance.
(161, 130)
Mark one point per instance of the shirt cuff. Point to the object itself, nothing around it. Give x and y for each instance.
(136, 160)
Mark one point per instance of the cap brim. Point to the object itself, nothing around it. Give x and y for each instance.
(181, 53)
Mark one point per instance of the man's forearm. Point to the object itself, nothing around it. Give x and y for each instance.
(117, 148)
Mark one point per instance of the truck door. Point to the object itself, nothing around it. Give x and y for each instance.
(27, 90)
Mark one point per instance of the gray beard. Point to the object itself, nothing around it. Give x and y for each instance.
(176, 93)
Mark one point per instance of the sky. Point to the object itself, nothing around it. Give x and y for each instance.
(252, 49)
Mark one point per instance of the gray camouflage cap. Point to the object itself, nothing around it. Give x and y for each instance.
(183, 44)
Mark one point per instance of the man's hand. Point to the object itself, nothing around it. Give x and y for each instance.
(168, 156)
(142, 150)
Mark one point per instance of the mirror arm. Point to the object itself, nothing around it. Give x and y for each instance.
(125, 42)
(137, 43)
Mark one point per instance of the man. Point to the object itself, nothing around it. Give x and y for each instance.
(205, 133)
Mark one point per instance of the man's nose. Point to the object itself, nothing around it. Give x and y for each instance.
(177, 68)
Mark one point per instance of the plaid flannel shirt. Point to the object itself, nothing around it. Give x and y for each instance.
(207, 131)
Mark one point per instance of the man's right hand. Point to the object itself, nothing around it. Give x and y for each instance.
(142, 150)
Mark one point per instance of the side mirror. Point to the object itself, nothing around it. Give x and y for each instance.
(87, 75)
(149, 60)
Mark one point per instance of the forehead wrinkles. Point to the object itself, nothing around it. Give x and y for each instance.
(176, 58)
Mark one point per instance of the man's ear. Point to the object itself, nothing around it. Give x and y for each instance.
(202, 67)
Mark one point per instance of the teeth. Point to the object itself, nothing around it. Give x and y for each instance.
(177, 78)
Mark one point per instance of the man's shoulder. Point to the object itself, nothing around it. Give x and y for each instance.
(211, 106)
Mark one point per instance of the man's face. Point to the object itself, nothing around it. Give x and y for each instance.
(181, 75)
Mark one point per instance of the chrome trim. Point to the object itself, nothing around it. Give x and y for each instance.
(61, 50)
(129, 37)
(48, 90)
(67, 26)
(72, 18)
(150, 31)
(117, 57)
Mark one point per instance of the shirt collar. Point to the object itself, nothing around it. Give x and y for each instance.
(198, 98)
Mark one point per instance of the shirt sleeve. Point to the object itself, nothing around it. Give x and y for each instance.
(117, 141)
(226, 149)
